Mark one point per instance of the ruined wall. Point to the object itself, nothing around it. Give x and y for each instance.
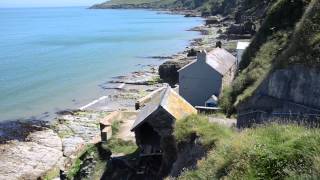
(228, 77)
(290, 92)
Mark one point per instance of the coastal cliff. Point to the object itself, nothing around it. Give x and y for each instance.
(281, 64)
(279, 73)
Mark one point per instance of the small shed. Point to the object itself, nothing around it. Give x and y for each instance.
(154, 127)
(241, 47)
(206, 76)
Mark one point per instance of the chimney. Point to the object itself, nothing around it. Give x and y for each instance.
(202, 56)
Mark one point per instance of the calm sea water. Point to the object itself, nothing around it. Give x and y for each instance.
(55, 58)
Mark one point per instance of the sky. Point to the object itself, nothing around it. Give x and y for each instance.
(47, 3)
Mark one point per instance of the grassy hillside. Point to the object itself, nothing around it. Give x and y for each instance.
(286, 32)
(268, 152)
(119, 2)
(205, 6)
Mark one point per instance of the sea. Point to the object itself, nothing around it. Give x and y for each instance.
(53, 59)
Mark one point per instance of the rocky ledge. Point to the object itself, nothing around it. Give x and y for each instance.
(39, 156)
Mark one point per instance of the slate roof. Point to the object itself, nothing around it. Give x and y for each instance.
(219, 59)
(170, 101)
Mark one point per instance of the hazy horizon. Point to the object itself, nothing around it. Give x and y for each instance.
(47, 3)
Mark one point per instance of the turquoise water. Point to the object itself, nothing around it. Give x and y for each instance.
(55, 58)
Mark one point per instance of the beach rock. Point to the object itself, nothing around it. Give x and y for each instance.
(72, 145)
(212, 20)
(32, 159)
(46, 138)
(192, 52)
(168, 72)
(235, 29)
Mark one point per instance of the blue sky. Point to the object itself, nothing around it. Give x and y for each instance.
(47, 3)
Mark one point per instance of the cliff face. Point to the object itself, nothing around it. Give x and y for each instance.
(289, 83)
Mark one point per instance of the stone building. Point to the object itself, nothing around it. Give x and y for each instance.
(153, 129)
(206, 76)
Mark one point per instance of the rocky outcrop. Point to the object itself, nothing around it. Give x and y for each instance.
(77, 130)
(188, 155)
(168, 71)
(35, 158)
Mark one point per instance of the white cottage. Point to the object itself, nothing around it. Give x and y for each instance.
(241, 47)
(204, 77)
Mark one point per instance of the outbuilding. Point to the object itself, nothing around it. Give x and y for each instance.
(154, 127)
(205, 77)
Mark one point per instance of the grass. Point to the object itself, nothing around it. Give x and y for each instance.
(74, 169)
(267, 152)
(100, 162)
(155, 80)
(120, 146)
(115, 127)
(272, 39)
(199, 126)
(52, 174)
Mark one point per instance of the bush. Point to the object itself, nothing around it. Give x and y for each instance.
(270, 152)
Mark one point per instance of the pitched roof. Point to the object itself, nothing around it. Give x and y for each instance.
(170, 101)
(219, 59)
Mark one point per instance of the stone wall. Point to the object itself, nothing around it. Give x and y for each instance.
(294, 91)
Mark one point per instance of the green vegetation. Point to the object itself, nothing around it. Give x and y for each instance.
(119, 2)
(115, 127)
(205, 6)
(251, 77)
(100, 153)
(305, 46)
(155, 80)
(266, 50)
(199, 126)
(74, 169)
(268, 152)
(119, 146)
(52, 174)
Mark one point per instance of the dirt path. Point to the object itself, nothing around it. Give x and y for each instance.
(124, 131)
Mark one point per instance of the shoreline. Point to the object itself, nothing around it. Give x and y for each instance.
(72, 130)
(115, 98)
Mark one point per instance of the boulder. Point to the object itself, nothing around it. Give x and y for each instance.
(168, 71)
(212, 20)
